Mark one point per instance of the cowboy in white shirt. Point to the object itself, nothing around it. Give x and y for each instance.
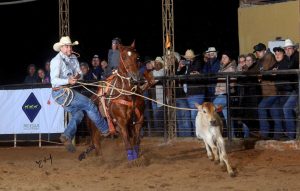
(65, 70)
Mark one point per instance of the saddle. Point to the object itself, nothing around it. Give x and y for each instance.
(103, 104)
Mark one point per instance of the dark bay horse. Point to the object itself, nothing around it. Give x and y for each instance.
(124, 110)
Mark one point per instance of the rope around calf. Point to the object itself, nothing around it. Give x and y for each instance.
(126, 92)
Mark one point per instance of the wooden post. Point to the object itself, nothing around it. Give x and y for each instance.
(40, 140)
(15, 140)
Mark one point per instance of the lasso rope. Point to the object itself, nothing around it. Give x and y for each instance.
(126, 92)
(69, 99)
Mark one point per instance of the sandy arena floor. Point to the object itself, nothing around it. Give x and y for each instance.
(180, 165)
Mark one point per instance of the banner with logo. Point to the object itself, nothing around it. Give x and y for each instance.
(30, 111)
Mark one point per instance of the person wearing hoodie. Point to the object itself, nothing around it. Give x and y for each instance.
(228, 64)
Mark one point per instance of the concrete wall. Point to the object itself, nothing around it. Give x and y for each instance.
(263, 23)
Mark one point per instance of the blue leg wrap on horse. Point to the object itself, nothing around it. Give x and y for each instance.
(136, 148)
(136, 152)
(130, 155)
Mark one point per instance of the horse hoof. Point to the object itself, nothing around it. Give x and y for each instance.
(81, 156)
(216, 162)
(222, 164)
(232, 174)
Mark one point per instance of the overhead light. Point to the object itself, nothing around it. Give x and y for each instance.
(16, 2)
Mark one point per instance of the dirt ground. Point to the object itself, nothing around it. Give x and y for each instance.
(179, 165)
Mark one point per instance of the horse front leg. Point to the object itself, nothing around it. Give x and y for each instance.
(122, 123)
(137, 136)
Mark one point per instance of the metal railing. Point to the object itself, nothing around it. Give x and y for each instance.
(155, 125)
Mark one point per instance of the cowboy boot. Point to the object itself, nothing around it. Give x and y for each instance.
(67, 143)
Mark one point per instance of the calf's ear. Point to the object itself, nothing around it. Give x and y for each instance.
(198, 106)
(218, 108)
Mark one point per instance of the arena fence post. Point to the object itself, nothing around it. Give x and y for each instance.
(228, 121)
(165, 111)
(298, 110)
(15, 140)
(40, 140)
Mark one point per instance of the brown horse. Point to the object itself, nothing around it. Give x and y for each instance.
(124, 109)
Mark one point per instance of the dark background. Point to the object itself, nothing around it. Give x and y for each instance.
(28, 31)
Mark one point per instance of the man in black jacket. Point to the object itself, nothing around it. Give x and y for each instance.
(194, 93)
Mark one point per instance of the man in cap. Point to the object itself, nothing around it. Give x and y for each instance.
(114, 54)
(65, 70)
(96, 69)
(260, 50)
(211, 67)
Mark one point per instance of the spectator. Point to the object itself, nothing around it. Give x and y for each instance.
(194, 94)
(183, 117)
(292, 54)
(248, 90)
(211, 67)
(106, 70)
(31, 75)
(157, 94)
(86, 72)
(260, 50)
(268, 88)
(47, 70)
(284, 91)
(96, 69)
(228, 64)
(147, 65)
(205, 57)
(288, 109)
(242, 63)
(114, 54)
(42, 78)
(251, 62)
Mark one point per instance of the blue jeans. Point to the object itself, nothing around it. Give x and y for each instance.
(264, 125)
(76, 107)
(191, 100)
(289, 114)
(277, 115)
(147, 117)
(184, 126)
(222, 100)
(158, 117)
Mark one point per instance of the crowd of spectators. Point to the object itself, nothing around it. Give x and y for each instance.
(266, 96)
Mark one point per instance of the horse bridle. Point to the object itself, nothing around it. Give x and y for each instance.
(128, 73)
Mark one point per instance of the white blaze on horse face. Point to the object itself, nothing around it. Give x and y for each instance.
(129, 53)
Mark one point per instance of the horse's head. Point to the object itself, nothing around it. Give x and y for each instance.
(128, 62)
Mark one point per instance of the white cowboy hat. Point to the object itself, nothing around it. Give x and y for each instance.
(189, 54)
(159, 59)
(211, 49)
(288, 42)
(65, 40)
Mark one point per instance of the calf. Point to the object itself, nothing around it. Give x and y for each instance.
(209, 127)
